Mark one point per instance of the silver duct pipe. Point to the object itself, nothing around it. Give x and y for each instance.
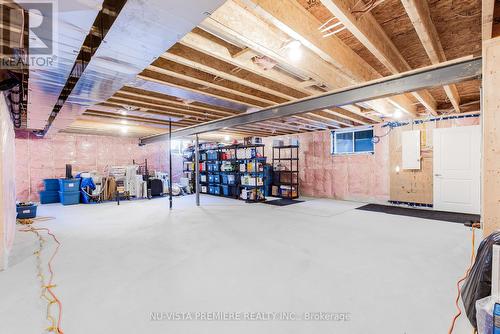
(73, 23)
(142, 32)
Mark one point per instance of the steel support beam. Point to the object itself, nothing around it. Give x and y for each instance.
(170, 163)
(433, 76)
(197, 170)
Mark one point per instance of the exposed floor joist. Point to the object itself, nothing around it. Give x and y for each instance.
(419, 14)
(369, 32)
(342, 61)
(196, 47)
(440, 75)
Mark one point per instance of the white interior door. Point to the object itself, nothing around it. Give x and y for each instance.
(457, 162)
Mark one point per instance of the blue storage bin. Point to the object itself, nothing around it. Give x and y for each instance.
(227, 190)
(47, 197)
(51, 184)
(26, 211)
(213, 167)
(69, 185)
(215, 190)
(228, 179)
(212, 155)
(216, 178)
(69, 197)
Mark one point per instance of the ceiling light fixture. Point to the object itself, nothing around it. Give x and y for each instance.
(397, 114)
(227, 138)
(294, 49)
(124, 129)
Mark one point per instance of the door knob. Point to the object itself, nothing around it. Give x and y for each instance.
(437, 175)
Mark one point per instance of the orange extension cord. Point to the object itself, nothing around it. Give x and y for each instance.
(467, 272)
(47, 287)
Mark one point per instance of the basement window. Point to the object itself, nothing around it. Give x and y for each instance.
(352, 141)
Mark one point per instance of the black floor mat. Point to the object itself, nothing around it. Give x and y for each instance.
(454, 217)
(283, 202)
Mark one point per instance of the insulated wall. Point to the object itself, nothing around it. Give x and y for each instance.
(7, 185)
(38, 159)
(358, 177)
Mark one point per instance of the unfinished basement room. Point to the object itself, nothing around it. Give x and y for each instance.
(250, 166)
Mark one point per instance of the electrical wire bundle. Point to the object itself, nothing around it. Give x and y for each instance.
(47, 286)
(461, 280)
(366, 6)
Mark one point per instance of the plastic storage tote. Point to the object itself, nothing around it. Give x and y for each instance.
(26, 211)
(212, 155)
(69, 185)
(47, 197)
(51, 184)
(69, 198)
(215, 190)
(228, 179)
(227, 190)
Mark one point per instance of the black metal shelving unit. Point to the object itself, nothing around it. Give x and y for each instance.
(235, 161)
(188, 159)
(288, 158)
(257, 173)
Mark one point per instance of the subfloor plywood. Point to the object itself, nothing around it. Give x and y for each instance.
(117, 264)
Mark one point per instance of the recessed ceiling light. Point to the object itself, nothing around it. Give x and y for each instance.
(124, 129)
(227, 138)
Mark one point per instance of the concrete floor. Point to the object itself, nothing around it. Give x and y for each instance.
(118, 264)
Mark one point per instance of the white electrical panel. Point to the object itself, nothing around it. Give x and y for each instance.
(410, 141)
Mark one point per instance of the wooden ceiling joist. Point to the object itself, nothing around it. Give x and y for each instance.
(352, 118)
(175, 80)
(158, 109)
(184, 110)
(297, 22)
(369, 32)
(320, 122)
(217, 56)
(419, 14)
(195, 105)
(232, 88)
(222, 68)
(117, 109)
(137, 118)
(215, 81)
(329, 117)
(136, 98)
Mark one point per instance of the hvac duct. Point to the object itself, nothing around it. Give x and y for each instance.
(73, 22)
(140, 34)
